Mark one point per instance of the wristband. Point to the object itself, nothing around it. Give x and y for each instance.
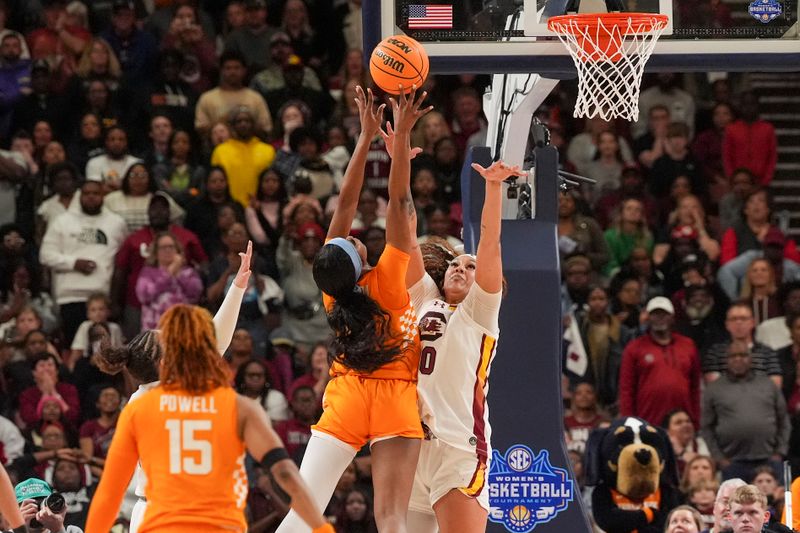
(273, 456)
(327, 528)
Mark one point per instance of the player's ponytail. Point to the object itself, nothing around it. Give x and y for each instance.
(362, 337)
(140, 356)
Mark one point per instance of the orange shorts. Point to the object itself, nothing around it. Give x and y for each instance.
(358, 410)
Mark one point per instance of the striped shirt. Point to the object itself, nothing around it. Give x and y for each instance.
(765, 360)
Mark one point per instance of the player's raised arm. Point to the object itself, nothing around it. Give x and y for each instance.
(406, 111)
(228, 313)
(353, 179)
(262, 442)
(489, 269)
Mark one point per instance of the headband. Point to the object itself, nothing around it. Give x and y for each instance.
(351, 252)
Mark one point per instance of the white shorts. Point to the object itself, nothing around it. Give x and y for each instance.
(442, 468)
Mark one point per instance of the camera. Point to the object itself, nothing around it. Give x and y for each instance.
(55, 502)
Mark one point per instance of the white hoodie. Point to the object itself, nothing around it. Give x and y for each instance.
(76, 235)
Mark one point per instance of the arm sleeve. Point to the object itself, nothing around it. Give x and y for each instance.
(119, 468)
(391, 277)
(626, 380)
(227, 316)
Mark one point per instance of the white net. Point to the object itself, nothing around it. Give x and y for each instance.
(610, 54)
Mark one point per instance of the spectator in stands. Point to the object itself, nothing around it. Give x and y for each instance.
(98, 311)
(356, 514)
(660, 370)
(438, 222)
(136, 49)
(15, 79)
(99, 100)
(686, 443)
(740, 324)
(688, 220)
(628, 231)
(750, 142)
(702, 318)
(676, 161)
(759, 289)
(374, 239)
(698, 469)
(607, 165)
(79, 247)
(45, 376)
(254, 381)
(42, 103)
(576, 271)
(428, 130)
(296, 431)
(263, 217)
(775, 332)
(722, 507)
(632, 186)
(186, 35)
(97, 62)
(467, 124)
(579, 234)
(651, 145)
(707, 146)
(583, 148)
(317, 370)
(88, 142)
(96, 434)
(303, 313)
(166, 94)
(311, 168)
(29, 507)
(319, 101)
(291, 115)
(115, 163)
(166, 281)
(231, 94)
(202, 213)
(158, 144)
(265, 508)
(263, 297)
(244, 156)
(23, 347)
(131, 200)
(584, 416)
(742, 183)
(70, 480)
(767, 482)
(132, 255)
(684, 519)
(12, 443)
(744, 417)
(305, 40)
(14, 171)
(252, 40)
(788, 358)
(701, 496)
(180, 174)
(271, 78)
(752, 233)
(22, 290)
(235, 18)
(666, 92)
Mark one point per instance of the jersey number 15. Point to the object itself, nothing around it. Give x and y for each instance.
(182, 439)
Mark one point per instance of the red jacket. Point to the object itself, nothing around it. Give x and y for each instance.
(729, 248)
(752, 146)
(656, 379)
(29, 400)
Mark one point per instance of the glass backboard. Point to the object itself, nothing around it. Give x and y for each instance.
(493, 36)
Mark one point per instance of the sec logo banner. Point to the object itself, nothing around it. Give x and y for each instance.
(525, 489)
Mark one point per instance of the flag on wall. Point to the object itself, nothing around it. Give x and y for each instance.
(429, 17)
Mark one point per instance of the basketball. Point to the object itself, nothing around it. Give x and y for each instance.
(519, 516)
(399, 60)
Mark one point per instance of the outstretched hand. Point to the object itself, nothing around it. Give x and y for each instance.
(406, 109)
(388, 140)
(243, 275)
(370, 117)
(498, 171)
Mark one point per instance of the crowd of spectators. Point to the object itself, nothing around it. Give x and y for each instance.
(145, 142)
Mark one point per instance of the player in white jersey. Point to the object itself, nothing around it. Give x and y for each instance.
(141, 356)
(458, 327)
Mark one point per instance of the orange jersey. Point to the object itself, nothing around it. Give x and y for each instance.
(193, 459)
(386, 284)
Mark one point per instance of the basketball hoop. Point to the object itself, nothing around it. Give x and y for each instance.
(610, 51)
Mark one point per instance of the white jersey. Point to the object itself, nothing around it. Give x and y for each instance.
(457, 344)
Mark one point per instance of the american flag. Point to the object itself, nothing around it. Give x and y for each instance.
(432, 16)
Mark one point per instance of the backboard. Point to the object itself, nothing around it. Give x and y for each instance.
(494, 36)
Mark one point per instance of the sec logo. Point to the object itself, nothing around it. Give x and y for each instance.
(519, 458)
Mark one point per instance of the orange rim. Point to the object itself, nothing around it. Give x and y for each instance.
(644, 22)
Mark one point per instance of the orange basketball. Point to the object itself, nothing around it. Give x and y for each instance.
(399, 60)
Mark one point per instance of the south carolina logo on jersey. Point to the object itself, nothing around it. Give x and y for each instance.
(432, 326)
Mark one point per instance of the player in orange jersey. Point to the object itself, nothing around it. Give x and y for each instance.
(372, 396)
(190, 433)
